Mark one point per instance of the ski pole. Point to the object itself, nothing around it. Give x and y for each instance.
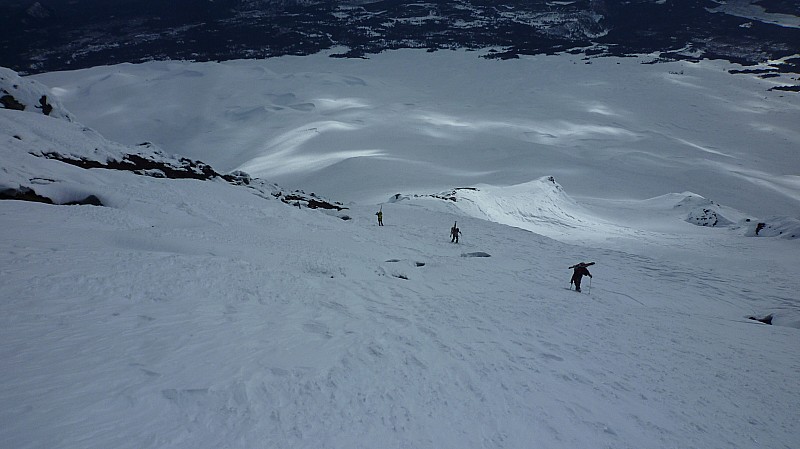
(590, 286)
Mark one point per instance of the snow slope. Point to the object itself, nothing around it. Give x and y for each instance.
(202, 314)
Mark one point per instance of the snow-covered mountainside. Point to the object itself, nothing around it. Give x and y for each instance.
(224, 311)
(21, 94)
(413, 122)
(542, 206)
(38, 145)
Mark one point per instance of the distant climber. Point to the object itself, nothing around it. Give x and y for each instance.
(454, 232)
(579, 271)
(46, 107)
(380, 216)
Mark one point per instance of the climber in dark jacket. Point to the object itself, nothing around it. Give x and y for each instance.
(578, 272)
(454, 233)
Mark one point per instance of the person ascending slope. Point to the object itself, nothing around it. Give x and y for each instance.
(380, 216)
(454, 232)
(579, 271)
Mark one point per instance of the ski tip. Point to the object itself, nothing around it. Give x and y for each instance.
(582, 264)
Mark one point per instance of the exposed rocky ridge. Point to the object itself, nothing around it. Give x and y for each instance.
(57, 137)
(152, 162)
(449, 195)
(28, 95)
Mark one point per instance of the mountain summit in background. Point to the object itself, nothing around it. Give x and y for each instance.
(50, 35)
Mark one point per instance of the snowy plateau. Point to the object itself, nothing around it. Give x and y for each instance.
(190, 256)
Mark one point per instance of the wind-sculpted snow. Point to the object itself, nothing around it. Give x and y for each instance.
(542, 206)
(542, 202)
(414, 122)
